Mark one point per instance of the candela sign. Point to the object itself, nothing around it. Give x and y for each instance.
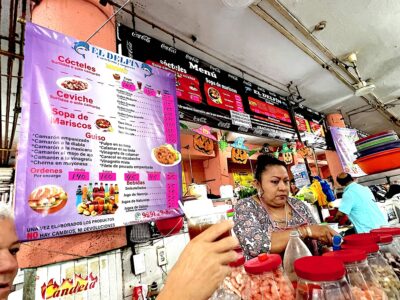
(52, 290)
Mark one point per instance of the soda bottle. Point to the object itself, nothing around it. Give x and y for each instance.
(101, 190)
(84, 193)
(116, 192)
(95, 190)
(111, 190)
(294, 250)
(106, 191)
(78, 195)
(90, 192)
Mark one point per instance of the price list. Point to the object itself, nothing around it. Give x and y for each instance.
(170, 124)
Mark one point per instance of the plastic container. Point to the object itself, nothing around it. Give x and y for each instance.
(234, 283)
(390, 253)
(362, 281)
(380, 162)
(321, 278)
(266, 279)
(295, 249)
(393, 231)
(381, 269)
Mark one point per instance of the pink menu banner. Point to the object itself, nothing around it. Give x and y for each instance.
(99, 144)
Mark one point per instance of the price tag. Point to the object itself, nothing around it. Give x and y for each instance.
(154, 176)
(107, 176)
(78, 176)
(172, 195)
(167, 98)
(171, 176)
(128, 86)
(131, 176)
(150, 92)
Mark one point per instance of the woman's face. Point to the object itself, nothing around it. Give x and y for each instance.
(275, 184)
(9, 247)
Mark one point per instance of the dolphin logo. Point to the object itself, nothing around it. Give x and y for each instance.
(148, 71)
(81, 46)
(247, 89)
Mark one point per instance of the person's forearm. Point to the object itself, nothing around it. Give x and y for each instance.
(279, 241)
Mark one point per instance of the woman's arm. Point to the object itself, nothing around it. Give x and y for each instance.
(279, 241)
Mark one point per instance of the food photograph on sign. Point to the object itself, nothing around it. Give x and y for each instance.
(165, 155)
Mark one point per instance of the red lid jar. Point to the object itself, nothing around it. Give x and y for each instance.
(361, 238)
(382, 270)
(362, 282)
(234, 283)
(314, 271)
(267, 279)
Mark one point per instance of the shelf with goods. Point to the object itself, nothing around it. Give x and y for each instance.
(387, 177)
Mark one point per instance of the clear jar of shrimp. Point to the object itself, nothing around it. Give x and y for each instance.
(362, 281)
(382, 271)
(234, 283)
(266, 279)
(321, 278)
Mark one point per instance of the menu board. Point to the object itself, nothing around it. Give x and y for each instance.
(209, 95)
(99, 144)
(311, 125)
(269, 112)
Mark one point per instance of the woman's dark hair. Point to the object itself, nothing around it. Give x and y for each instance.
(264, 161)
(344, 180)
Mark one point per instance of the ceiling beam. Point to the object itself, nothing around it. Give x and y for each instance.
(336, 70)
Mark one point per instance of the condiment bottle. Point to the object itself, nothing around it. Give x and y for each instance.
(321, 278)
(363, 283)
(234, 283)
(383, 272)
(294, 250)
(266, 279)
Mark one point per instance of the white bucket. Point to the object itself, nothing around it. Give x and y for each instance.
(226, 191)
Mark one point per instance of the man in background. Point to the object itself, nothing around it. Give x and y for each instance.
(358, 203)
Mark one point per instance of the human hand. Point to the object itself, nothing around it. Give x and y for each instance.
(202, 265)
(323, 233)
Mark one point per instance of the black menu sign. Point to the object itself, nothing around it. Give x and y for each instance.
(311, 125)
(209, 95)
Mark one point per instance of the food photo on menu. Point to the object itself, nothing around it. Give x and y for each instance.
(166, 155)
(94, 200)
(73, 84)
(47, 199)
(104, 125)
